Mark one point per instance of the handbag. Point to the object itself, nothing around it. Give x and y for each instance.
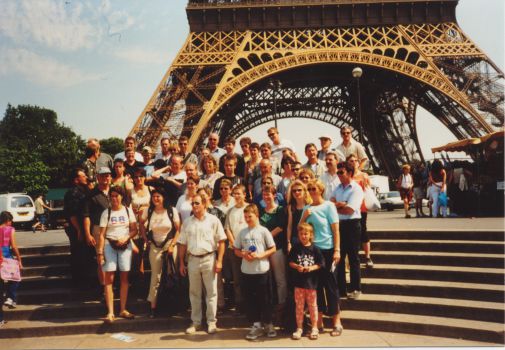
(371, 201)
(9, 268)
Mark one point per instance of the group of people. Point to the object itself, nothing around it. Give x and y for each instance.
(430, 183)
(261, 225)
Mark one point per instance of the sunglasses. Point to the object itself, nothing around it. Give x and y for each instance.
(312, 189)
(195, 203)
(345, 133)
(340, 172)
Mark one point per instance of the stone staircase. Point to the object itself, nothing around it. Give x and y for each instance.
(436, 283)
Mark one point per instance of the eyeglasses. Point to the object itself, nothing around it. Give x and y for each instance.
(297, 190)
(340, 172)
(195, 203)
(312, 189)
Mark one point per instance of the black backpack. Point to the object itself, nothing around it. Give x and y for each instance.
(170, 235)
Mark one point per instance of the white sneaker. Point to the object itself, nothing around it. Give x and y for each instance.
(211, 328)
(8, 302)
(192, 329)
(255, 333)
(270, 330)
(297, 334)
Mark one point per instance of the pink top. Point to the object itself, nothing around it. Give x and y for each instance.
(6, 235)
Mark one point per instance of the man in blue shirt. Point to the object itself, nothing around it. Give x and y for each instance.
(348, 197)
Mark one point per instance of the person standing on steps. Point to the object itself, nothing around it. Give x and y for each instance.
(202, 239)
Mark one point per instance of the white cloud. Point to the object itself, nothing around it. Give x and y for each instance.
(140, 56)
(41, 70)
(63, 25)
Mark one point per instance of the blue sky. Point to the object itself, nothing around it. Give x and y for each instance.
(96, 63)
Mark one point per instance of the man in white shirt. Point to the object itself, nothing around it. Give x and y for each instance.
(348, 197)
(202, 235)
(129, 142)
(279, 145)
(330, 178)
(212, 145)
(314, 164)
(350, 146)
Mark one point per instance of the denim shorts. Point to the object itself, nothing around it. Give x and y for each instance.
(117, 258)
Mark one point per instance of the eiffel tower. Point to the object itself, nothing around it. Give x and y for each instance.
(248, 62)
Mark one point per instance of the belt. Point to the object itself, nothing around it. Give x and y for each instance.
(201, 255)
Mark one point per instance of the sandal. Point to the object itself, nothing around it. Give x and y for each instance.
(127, 315)
(337, 330)
(314, 334)
(109, 319)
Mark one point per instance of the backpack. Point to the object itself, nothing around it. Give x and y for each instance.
(170, 235)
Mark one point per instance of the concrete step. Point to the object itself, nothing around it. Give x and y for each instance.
(436, 273)
(363, 320)
(442, 307)
(437, 258)
(426, 325)
(434, 289)
(451, 246)
(45, 250)
(48, 259)
(434, 235)
(46, 271)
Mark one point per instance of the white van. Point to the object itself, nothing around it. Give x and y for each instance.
(20, 205)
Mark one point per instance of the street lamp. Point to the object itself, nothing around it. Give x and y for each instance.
(275, 84)
(356, 74)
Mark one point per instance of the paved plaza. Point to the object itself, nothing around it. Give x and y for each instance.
(383, 220)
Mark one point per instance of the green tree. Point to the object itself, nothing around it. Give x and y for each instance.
(37, 132)
(22, 171)
(112, 145)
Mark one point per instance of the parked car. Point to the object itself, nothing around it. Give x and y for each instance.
(390, 200)
(20, 205)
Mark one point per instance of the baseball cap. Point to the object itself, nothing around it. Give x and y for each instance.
(325, 136)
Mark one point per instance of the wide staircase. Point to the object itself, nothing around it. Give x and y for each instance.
(437, 283)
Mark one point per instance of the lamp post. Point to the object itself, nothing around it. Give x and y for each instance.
(356, 74)
(275, 84)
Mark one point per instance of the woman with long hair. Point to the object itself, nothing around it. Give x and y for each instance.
(437, 183)
(159, 228)
(117, 227)
(362, 179)
(323, 216)
(297, 199)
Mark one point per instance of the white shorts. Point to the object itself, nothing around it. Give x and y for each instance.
(117, 258)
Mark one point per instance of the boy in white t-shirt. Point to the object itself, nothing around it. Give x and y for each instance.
(254, 245)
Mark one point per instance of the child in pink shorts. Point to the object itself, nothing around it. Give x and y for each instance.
(306, 259)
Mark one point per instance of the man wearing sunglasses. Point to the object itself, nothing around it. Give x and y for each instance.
(348, 197)
(350, 146)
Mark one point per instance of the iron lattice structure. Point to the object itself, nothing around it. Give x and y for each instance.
(413, 53)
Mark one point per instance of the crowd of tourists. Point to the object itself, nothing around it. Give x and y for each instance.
(260, 232)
